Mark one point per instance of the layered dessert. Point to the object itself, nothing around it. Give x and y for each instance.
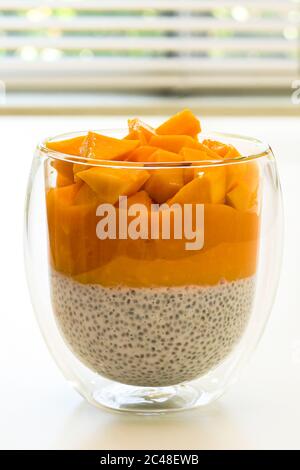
(153, 242)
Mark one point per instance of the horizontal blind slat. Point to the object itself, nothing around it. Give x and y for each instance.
(138, 5)
(154, 65)
(158, 24)
(151, 43)
(150, 83)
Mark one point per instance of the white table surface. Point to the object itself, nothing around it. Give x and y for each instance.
(38, 409)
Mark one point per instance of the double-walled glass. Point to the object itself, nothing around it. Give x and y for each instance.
(153, 303)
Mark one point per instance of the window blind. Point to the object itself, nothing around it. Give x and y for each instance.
(149, 45)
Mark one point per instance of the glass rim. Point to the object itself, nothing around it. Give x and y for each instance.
(266, 151)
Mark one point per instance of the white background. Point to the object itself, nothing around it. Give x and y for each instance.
(38, 409)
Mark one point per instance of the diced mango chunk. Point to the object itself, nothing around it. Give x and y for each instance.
(85, 195)
(164, 183)
(164, 156)
(242, 185)
(210, 152)
(63, 167)
(223, 150)
(244, 172)
(101, 147)
(141, 154)
(79, 167)
(182, 123)
(218, 147)
(208, 187)
(242, 198)
(63, 180)
(232, 152)
(66, 194)
(110, 183)
(141, 197)
(74, 245)
(193, 155)
(172, 143)
(138, 130)
(201, 154)
(69, 146)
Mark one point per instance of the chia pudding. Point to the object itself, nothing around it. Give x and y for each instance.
(152, 336)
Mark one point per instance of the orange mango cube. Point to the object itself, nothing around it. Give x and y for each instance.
(63, 180)
(164, 183)
(69, 146)
(85, 195)
(172, 143)
(196, 155)
(141, 197)
(242, 198)
(223, 150)
(208, 187)
(110, 183)
(141, 154)
(182, 123)
(101, 147)
(63, 167)
(232, 152)
(163, 156)
(138, 130)
(243, 172)
(209, 152)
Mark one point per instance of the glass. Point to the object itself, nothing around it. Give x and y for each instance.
(139, 319)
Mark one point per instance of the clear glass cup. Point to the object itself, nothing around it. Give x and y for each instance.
(137, 321)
